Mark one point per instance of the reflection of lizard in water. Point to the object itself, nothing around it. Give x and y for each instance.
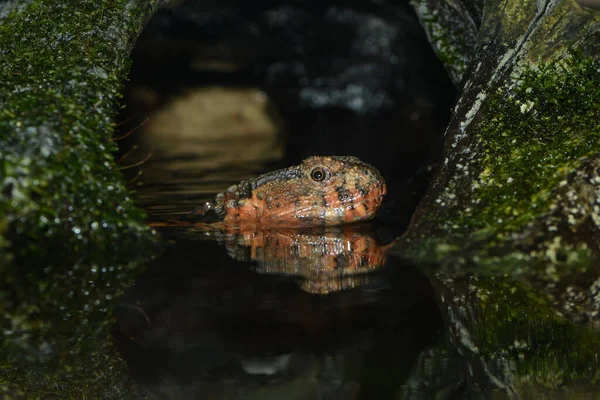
(320, 191)
(327, 259)
(283, 220)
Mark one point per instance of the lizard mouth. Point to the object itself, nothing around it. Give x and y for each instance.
(364, 207)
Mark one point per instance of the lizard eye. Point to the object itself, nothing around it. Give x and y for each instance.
(319, 174)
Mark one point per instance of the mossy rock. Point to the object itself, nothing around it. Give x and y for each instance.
(69, 230)
(519, 176)
(62, 69)
(511, 220)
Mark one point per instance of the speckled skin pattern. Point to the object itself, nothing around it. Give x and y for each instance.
(320, 191)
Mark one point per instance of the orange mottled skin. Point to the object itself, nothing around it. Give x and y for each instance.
(320, 191)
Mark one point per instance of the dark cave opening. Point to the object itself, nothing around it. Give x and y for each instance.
(324, 78)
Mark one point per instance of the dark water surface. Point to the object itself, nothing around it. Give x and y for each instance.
(302, 314)
(332, 314)
(311, 313)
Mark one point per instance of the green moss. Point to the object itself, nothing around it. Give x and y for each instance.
(62, 67)
(532, 151)
(537, 133)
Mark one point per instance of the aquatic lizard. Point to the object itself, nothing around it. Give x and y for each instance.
(320, 191)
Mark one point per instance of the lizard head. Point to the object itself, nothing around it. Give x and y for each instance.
(320, 191)
(329, 190)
